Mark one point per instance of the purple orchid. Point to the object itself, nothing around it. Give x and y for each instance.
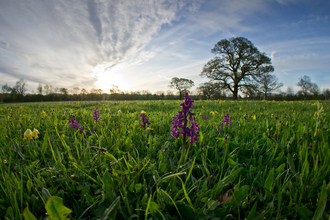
(226, 121)
(96, 115)
(74, 124)
(145, 121)
(179, 122)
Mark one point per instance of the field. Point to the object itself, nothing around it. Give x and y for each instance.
(272, 161)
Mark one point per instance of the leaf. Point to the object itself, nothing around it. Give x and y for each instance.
(154, 207)
(46, 193)
(138, 187)
(322, 202)
(55, 209)
(291, 164)
(253, 211)
(10, 214)
(111, 211)
(173, 203)
(212, 204)
(28, 215)
(231, 177)
(241, 193)
(280, 169)
(44, 144)
(15, 145)
(148, 205)
(231, 162)
(269, 181)
(303, 212)
(186, 211)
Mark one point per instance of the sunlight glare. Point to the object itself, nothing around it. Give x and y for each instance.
(108, 76)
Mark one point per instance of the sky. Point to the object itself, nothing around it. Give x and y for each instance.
(142, 44)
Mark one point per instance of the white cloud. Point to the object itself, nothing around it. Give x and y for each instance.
(62, 42)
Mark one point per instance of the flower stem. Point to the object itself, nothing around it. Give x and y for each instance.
(183, 148)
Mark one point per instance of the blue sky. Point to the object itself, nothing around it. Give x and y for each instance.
(142, 44)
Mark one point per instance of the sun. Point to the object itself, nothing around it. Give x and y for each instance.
(108, 76)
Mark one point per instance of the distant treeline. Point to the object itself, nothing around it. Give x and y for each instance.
(7, 98)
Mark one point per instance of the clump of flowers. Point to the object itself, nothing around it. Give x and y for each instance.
(226, 121)
(96, 115)
(180, 124)
(28, 134)
(75, 125)
(145, 121)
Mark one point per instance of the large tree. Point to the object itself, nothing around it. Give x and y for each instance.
(181, 84)
(237, 64)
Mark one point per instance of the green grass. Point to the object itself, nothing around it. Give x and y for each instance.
(273, 161)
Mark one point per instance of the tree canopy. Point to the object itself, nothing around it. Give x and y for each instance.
(237, 64)
(307, 86)
(181, 84)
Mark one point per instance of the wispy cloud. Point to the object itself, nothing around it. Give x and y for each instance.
(65, 41)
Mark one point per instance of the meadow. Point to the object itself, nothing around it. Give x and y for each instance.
(272, 161)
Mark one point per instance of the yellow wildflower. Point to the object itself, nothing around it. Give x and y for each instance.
(254, 117)
(63, 136)
(35, 133)
(27, 134)
(315, 113)
(43, 114)
(213, 113)
(143, 112)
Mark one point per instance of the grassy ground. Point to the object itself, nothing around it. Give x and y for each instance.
(273, 161)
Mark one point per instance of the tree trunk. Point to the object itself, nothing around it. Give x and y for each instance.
(235, 93)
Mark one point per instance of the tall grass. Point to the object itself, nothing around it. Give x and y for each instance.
(272, 162)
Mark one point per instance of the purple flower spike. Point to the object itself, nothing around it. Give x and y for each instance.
(145, 121)
(74, 124)
(191, 132)
(179, 122)
(227, 120)
(96, 115)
